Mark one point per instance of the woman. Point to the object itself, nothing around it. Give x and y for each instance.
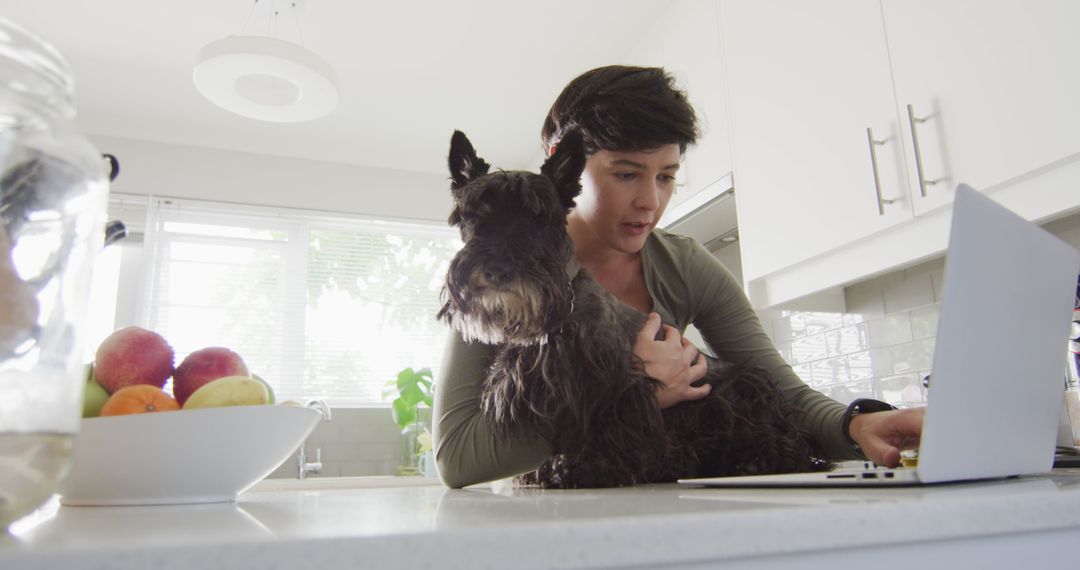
(636, 126)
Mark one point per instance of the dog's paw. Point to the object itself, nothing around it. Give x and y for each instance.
(559, 474)
(562, 472)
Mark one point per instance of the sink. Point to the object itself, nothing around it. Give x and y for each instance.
(322, 483)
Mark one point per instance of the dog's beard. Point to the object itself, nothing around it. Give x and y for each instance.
(513, 313)
(520, 312)
(533, 303)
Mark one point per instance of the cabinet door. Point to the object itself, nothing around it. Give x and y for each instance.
(998, 87)
(692, 55)
(806, 80)
(685, 41)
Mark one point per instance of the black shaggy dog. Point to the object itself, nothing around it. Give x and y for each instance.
(565, 366)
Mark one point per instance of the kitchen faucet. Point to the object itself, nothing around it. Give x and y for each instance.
(303, 466)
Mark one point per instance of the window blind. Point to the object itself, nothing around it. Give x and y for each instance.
(319, 305)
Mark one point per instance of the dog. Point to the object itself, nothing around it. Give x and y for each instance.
(565, 368)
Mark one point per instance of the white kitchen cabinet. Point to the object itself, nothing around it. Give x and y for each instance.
(996, 83)
(692, 54)
(992, 94)
(685, 41)
(807, 79)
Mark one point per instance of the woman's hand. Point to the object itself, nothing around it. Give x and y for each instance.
(673, 361)
(882, 435)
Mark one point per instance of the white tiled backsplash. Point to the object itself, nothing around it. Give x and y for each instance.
(883, 344)
(881, 347)
(357, 441)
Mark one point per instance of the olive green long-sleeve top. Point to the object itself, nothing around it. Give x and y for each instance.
(687, 286)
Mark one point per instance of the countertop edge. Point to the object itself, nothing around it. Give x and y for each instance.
(607, 542)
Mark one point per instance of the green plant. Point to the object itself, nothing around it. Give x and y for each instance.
(413, 388)
(414, 391)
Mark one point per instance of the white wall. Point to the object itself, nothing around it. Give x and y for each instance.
(162, 169)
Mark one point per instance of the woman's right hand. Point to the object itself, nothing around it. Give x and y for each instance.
(674, 361)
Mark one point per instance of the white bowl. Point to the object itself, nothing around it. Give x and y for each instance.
(189, 456)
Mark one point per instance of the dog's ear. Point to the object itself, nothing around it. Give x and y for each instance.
(464, 164)
(564, 167)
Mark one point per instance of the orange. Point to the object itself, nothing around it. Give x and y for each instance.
(138, 399)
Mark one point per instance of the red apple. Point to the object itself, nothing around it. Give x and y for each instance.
(133, 355)
(205, 365)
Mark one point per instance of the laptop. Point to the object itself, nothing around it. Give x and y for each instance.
(997, 379)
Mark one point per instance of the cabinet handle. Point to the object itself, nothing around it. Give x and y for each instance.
(877, 178)
(913, 121)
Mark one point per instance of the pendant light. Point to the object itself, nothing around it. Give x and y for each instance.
(259, 75)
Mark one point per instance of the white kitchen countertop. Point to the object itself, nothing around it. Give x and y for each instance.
(416, 523)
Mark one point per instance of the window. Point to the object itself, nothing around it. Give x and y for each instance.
(320, 305)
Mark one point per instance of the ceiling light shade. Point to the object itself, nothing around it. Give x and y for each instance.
(266, 79)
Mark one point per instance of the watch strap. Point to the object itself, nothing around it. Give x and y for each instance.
(861, 406)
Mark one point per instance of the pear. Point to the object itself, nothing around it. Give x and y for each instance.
(229, 391)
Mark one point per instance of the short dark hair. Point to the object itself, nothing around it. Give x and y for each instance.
(622, 108)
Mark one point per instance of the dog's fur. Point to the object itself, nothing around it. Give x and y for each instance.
(565, 368)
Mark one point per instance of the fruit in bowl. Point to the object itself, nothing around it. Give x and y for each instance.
(193, 456)
(132, 365)
(138, 399)
(94, 396)
(229, 391)
(269, 388)
(223, 440)
(204, 366)
(133, 355)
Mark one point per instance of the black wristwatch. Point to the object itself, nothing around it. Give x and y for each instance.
(861, 406)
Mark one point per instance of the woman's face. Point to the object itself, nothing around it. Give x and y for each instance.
(623, 195)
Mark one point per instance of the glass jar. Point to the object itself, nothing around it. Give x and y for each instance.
(53, 196)
(410, 445)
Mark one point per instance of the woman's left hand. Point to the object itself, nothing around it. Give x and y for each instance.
(882, 435)
(674, 361)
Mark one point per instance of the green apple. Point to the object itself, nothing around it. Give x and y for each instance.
(269, 388)
(94, 397)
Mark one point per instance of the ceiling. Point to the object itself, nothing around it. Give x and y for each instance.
(409, 72)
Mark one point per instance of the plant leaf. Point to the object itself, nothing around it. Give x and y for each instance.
(406, 378)
(412, 395)
(404, 414)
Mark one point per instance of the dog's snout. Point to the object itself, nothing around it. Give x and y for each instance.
(498, 273)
